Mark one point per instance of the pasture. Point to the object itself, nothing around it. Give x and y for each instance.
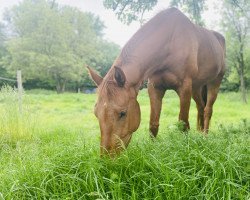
(52, 151)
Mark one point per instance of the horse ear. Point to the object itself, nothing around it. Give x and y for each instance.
(96, 78)
(120, 76)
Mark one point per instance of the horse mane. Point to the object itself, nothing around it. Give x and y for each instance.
(108, 87)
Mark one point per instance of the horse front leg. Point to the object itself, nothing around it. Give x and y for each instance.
(185, 93)
(155, 96)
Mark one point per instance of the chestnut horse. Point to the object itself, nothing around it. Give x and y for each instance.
(172, 53)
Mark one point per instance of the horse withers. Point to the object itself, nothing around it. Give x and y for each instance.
(172, 53)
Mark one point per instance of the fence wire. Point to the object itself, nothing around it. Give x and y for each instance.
(8, 79)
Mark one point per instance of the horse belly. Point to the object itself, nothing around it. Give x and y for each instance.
(165, 80)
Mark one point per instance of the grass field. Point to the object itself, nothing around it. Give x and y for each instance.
(52, 152)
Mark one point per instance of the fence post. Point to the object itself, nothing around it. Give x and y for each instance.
(20, 90)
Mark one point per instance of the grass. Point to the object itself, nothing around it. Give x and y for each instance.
(52, 152)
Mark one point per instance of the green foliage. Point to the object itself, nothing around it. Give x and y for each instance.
(3, 53)
(53, 43)
(2, 36)
(193, 7)
(109, 53)
(236, 26)
(61, 159)
(128, 11)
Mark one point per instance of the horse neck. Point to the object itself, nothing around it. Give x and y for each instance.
(136, 60)
(136, 73)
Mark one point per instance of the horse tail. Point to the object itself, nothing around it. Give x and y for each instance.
(204, 94)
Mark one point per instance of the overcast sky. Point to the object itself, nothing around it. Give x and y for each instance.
(115, 30)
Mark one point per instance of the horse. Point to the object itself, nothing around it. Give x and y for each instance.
(171, 53)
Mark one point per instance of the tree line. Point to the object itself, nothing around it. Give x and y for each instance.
(51, 43)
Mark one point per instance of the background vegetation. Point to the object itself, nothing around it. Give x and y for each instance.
(52, 43)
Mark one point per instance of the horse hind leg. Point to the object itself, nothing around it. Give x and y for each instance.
(155, 96)
(200, 97)
(212, 92)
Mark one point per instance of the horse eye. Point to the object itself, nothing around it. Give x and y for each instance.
(122, 114)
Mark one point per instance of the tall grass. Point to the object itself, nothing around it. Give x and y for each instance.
(15, 124)
(63, 162)
(175, 166)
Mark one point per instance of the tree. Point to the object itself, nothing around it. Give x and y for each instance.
(109, 51)
(52, 42)
(40, 47)
(128, 11)
(2, 35)
(193, 7)
(3, 72)
(236, 26)
(133, 10)
(103, 60)
(2, 40)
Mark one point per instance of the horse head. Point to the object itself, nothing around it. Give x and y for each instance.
(117, 110)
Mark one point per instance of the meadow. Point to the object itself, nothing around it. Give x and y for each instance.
(51, 151)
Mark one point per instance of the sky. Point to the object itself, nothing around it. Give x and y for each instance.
(115, 30)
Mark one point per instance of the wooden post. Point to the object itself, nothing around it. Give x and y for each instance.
(20, 90)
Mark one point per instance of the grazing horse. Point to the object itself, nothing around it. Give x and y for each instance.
(172, 53)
